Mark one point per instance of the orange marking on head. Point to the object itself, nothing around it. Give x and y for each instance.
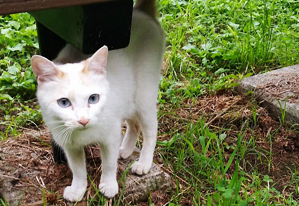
(85, 66)
(60, 74)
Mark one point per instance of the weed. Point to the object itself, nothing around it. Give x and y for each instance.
(3, 202)
(18, 42)
(282, 111)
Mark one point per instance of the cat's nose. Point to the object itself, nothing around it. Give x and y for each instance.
(83, 121)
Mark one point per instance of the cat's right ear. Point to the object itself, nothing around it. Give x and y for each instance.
(44, 70)
(97, 62)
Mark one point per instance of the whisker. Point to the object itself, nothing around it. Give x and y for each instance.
(60, 133)
(55, 121)
(69, 134)
(65, 138)
(57, 127)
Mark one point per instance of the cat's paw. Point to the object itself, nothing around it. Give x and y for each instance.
(140, 168)
(109, 189)
(125, 153)
(74, 194)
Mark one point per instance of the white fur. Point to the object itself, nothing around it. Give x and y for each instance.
(128, 91)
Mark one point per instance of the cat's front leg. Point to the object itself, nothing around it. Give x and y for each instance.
(76, 161)
(109, 154)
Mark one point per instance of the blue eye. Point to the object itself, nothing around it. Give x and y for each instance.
(93, 99)
(64, 102)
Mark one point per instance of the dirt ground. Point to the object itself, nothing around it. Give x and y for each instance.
(28, 167)
(27, 162)
(230, 110)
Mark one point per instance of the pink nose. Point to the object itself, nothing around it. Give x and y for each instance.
(83, 121)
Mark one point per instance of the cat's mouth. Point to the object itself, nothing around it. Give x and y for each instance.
(77, 126)
(80, 127)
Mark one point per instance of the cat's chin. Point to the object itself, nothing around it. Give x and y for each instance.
(82, 128)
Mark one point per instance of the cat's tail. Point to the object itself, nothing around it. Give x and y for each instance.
(147, 6)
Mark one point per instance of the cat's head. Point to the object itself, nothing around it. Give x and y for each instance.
(72, 95)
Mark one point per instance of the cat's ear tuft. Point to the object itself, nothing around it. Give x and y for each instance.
(97, 62)
(44, 70)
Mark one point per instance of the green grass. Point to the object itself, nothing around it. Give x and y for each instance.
(18, 42)
(211, 43)
(211, 46)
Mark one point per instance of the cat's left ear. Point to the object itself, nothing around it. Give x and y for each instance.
(44, 70)
(97, 62)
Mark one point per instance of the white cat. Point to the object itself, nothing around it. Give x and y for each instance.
(85, 102)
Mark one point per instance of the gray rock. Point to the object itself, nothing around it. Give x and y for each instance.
(280, 85)
(138, 188)
(7, 192)
(11, 177)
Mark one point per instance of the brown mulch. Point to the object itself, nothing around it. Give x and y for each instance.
(31, 167)
(27, 162)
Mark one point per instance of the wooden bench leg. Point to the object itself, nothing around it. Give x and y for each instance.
(50, 44)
